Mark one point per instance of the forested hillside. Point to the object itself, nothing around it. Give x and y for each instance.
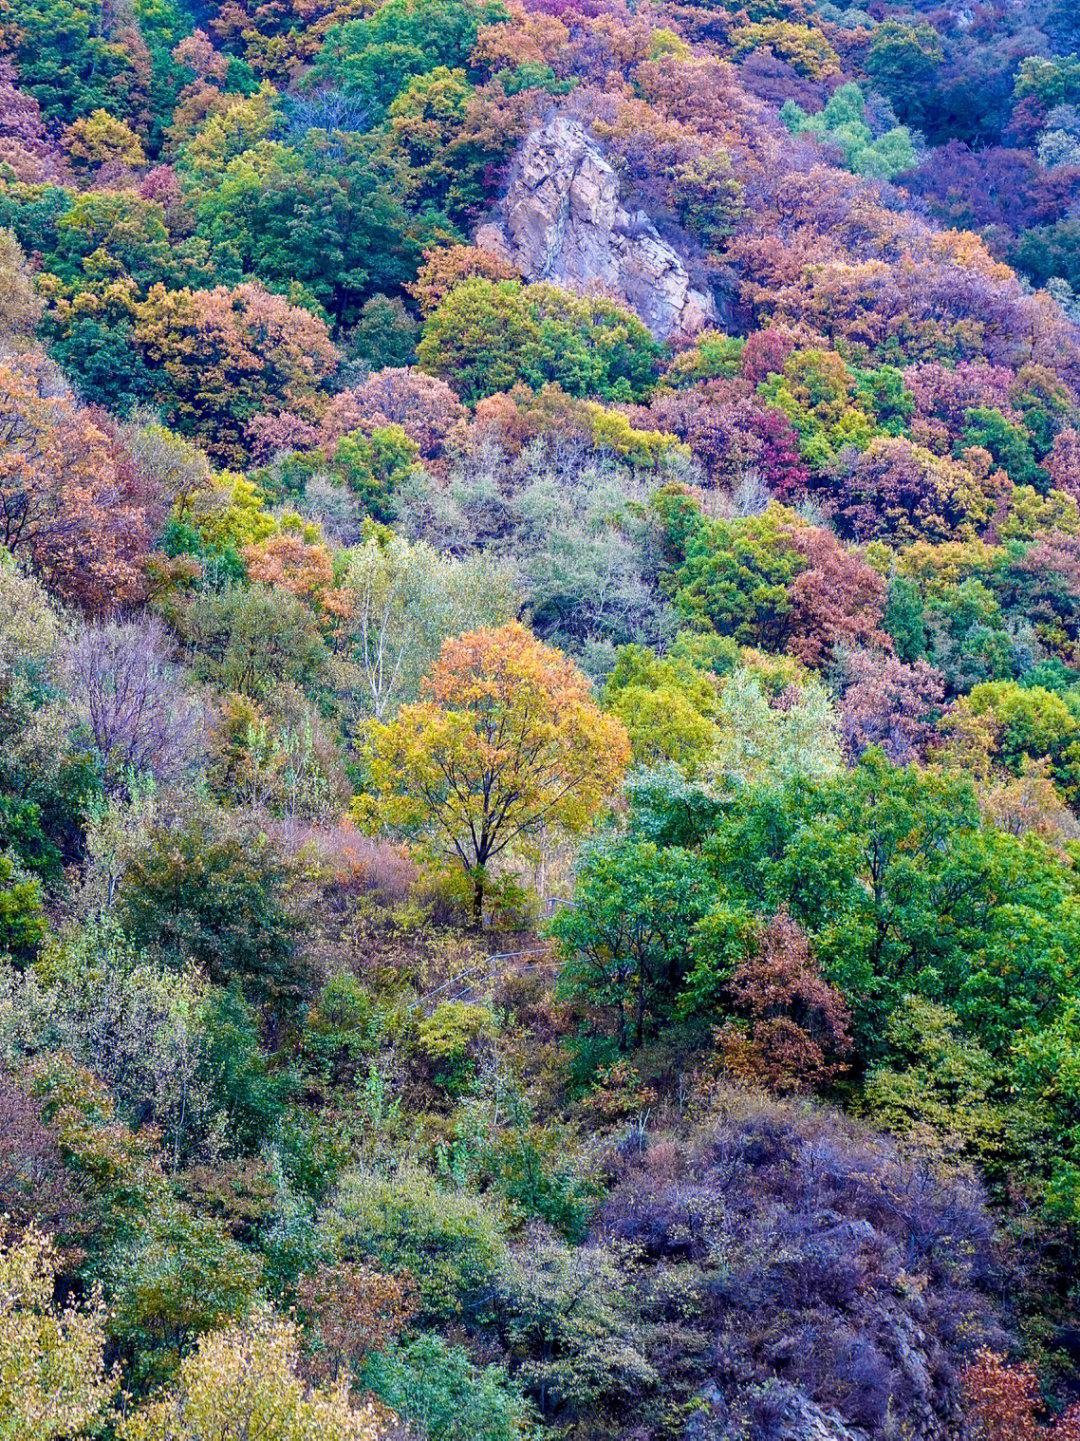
(539, 720)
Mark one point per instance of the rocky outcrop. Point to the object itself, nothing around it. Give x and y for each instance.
(842, 1290)
(561, 220)
(776, 1409)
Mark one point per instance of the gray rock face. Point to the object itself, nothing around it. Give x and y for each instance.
(778, 1409)
(796, 1418)
(562, 221)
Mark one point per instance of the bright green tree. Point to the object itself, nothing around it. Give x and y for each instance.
(487, 336)
(626, 940)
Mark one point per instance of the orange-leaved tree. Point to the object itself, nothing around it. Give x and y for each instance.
(505, 743)
(1003, 1401)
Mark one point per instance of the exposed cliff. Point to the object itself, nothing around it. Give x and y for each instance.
(562, 220)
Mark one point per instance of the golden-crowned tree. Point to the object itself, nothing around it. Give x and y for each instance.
(244, 1382)
(53, 1379)
(506, 742)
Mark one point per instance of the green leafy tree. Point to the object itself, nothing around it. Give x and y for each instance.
(425, 120)
(47, 780)
(1028, 723)
(339, 1028)
(438, 1387)
(898, 883)
(903, 61)
(668, 708)
(904, 619)
(1046, 1065)
(375, 466)
(488, 335)
(450, 1242)
(768, 580)
(626, 940)
(67, 59)
(1055, 79)
(102, 360)
(104, 233)
(374, 58)
(385, 333)
(22, 922)
(326, 213)
(236, 1072)
(254, 639)
(221, 898)
(842, 123)
(1007, 442)
(939, 1086)
(170, 1282)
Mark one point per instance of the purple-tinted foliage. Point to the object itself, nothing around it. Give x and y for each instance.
(855, 1276)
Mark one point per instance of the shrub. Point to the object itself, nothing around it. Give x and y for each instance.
(244, 1381)
(220, 898)
(569, 1316)
(796, 1032)
(353, 1311)
(53, 1381)
(338, 1028)
(1002, 1402)
(448, 1039)
(439, 1389)
(22, 921)
(35, 1184)
(450, 1242)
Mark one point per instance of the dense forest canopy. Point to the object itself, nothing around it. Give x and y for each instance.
(539, 720)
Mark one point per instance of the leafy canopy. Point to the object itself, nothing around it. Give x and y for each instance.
(506, 743)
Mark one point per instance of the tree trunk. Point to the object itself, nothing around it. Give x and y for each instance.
(478, 903)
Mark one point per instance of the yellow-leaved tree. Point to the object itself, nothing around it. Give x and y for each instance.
(507, 742)
(240, 1382)
(243, 1382)
(53, 1381)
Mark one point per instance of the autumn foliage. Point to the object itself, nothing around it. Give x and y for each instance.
(220, 357)
(538, 856)
(505, 745)
(795, 1035)
(354, 1310)
(1004, 1403)
(72, 501)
